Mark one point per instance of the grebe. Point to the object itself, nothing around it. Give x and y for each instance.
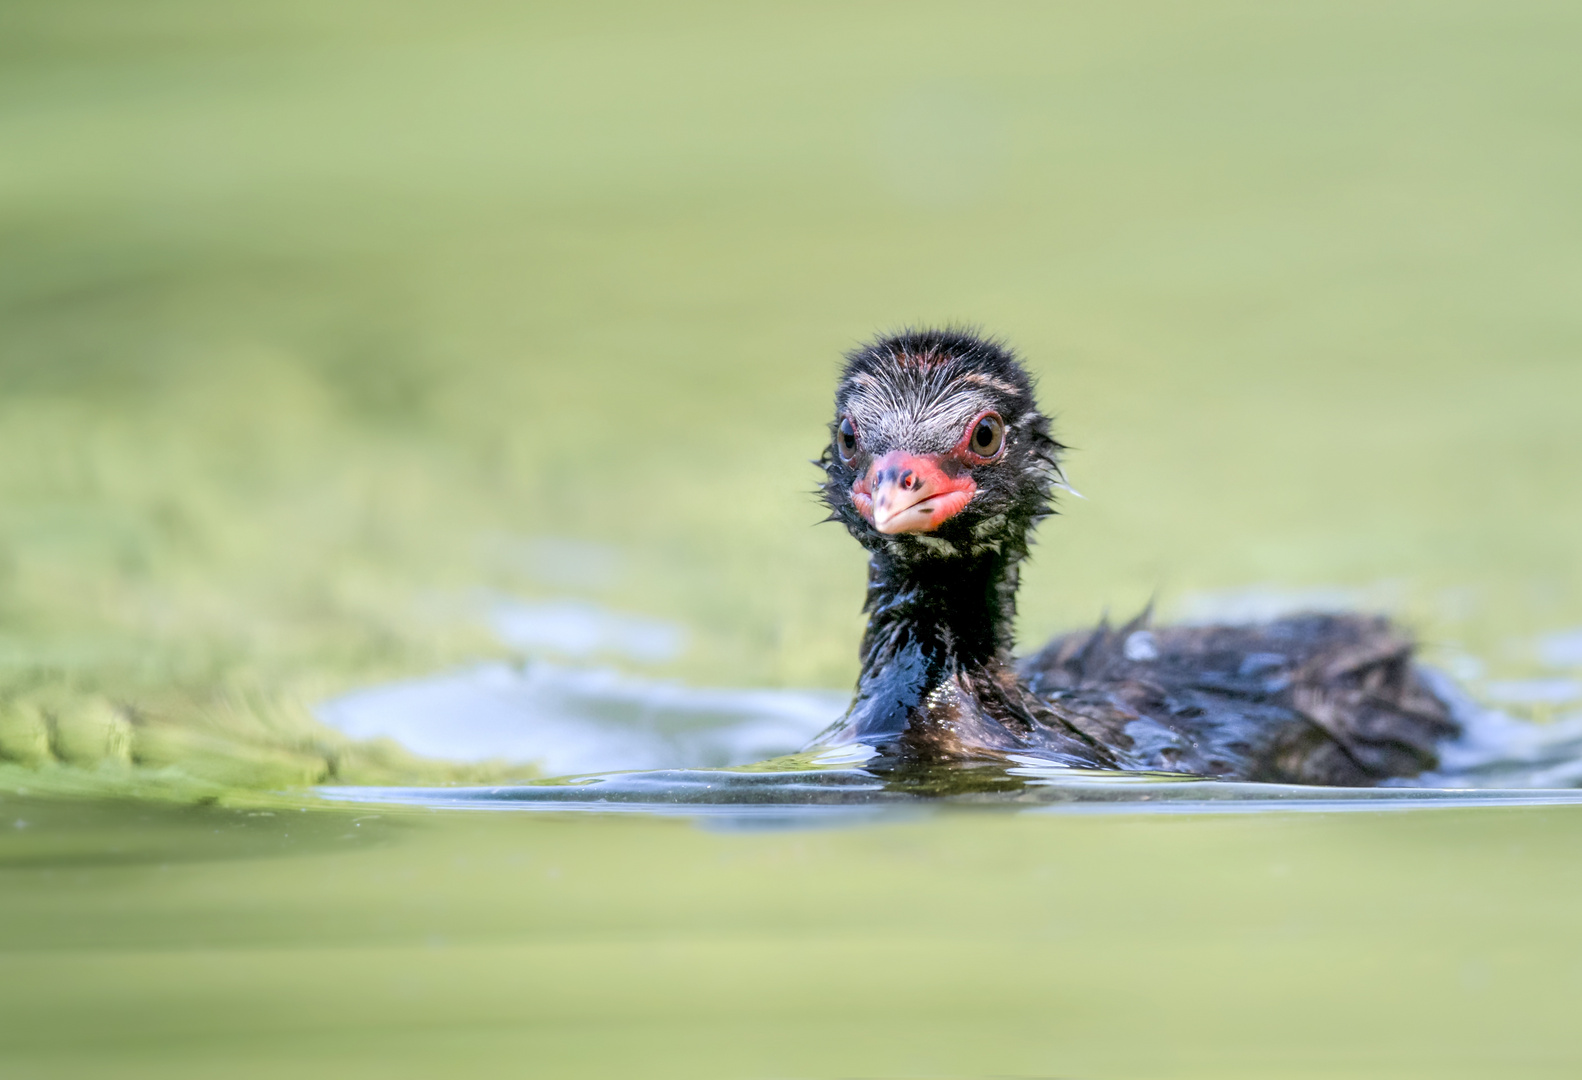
(941, 464)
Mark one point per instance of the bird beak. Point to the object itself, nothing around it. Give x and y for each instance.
(911, 493)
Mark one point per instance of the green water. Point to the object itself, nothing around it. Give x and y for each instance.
(149, 942)
(319, 322)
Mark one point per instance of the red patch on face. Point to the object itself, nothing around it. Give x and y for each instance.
(912, 493)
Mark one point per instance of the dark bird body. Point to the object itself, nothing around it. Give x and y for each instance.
(940, 464)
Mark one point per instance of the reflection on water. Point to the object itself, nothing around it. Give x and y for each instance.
(575, 720)
(614, 742)
(565, 720)
(793, 796)
(1498, 751)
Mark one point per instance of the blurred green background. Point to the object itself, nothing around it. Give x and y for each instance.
(316, 318)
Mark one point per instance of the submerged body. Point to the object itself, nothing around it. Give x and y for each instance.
(940, 464)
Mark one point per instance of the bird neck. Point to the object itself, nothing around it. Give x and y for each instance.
(937, 681)
(936, 656)
(949, 612)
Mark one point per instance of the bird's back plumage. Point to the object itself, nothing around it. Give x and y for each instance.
(1312, 699)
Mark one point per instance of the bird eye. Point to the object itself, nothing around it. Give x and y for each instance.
(988, 435)
(846, 440)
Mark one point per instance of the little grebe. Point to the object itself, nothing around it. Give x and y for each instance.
(940, 464)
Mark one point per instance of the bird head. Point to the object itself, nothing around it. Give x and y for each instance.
(937, 448)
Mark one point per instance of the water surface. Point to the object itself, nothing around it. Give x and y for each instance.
(610, 742)
(141, 941)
